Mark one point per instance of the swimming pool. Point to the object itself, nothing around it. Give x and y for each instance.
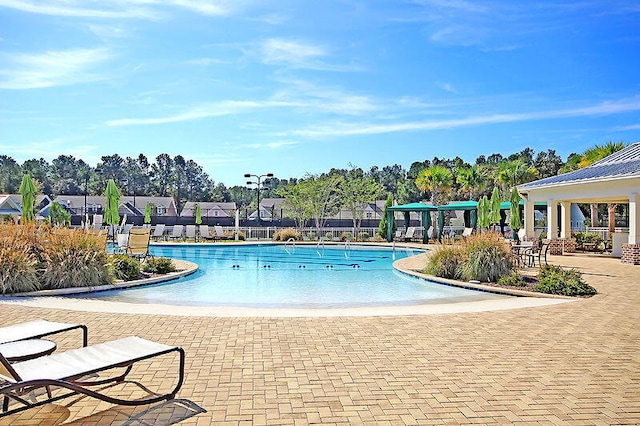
(281, 276)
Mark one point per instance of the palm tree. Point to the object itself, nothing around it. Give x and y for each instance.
(471, 179)
(590, 156)
(436, 179)
(514, 172)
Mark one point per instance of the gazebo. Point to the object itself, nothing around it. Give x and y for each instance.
(423, 209)
(614, 179)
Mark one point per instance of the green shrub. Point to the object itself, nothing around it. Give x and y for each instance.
(125, 268)
(328, 236)
(285, 234)
(311, 236)
(73, 258)
(446, 261)
(514, 280)
(487, 257)
(344, 236)
(587, 240)
(567, 282)
(363, 236)
(158, 265)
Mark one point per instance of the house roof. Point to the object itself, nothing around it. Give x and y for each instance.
(8, 206)
(619, 165)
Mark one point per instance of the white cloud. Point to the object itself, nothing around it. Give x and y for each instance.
(278, 51)
(299, 54)
(217, 109)
(351, 129)
(118, 9)
(52, 68)
(272, 145)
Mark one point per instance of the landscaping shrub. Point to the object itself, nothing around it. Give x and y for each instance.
(158, 265)
(328, 236)
(231, 235)
(587, 240)
(514, 280)
(125, 268)
(487, 257)
(446, 261)
(73, 258)
(285, 234)
(17, 267)
(567, 282)
(363, 236)
(344, 236)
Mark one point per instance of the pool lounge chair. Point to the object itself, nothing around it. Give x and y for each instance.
(205, 233)
(74, 372)
(190, 233)
(158, 232)
(37, 329)
(177, 232)
(410, 234)
(219, 233)
(138, 246)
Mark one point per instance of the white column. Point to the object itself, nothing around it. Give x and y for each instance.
(634, 219)
(565, 226)
(552, 219)
(529, 219)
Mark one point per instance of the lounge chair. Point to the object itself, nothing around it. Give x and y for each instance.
(138, 246)
(190, 233)
(158, 232)
(410, 234)
(467, 232)
(177, 232)
(219, 233)
(122, 241)
(205, 233)
(74, 371)
(97, 221)
(37, 329)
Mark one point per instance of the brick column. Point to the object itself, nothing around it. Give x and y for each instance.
(631, 254)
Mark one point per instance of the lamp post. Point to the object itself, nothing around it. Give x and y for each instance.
(86, 188)
(258, 183)
(126, 183)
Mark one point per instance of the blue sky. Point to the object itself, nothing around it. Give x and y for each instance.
(294, 87)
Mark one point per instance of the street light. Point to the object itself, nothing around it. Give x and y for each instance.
(125, 182)
(86, 188)
(258, 183)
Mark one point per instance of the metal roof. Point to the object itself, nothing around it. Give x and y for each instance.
(621, 164)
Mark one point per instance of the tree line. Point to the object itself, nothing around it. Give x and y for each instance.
(438, 180)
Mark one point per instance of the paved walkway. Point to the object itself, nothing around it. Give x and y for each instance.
(572, 363)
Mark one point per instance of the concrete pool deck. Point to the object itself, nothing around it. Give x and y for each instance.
(568, 363)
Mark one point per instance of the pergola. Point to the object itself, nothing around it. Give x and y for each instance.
(614, 179)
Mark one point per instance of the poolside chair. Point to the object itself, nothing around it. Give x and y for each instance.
(97, 221)
(410, 234)
(122, 242)
(37, 329)
(190, 233)
(467, 232)
(219, 233)
(539, 255)
(177, 232)
(138, 246)
(205, 233)
(158, 232)
(74, 372)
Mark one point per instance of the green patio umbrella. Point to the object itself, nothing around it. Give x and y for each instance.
(494, 204)
(474, 218)
(147, 213)
(28, 192)
(483, 212)
(198, 214)
(111, 215)
(515, 221)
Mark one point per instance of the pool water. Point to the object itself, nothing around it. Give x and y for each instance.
(287, 276)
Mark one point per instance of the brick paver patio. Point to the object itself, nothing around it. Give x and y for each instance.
(573, 363)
